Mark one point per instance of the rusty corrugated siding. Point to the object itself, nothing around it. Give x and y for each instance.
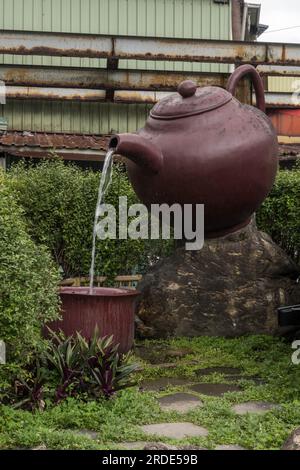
(162, 18)
(286, 122)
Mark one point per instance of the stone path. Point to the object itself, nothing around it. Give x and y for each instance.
(231, 374)
(175, 430)
(87, 433)
(164, 382)
(160, 354)
(180, 402)
(218, 370)
(184, 402)
(254, 407)
(215, 389)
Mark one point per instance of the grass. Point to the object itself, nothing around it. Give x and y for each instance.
(118, 419)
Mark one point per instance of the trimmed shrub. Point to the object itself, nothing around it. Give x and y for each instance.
(59, 203)
(28, 288)
(280, 213)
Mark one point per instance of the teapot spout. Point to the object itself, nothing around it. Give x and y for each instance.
(139, 150)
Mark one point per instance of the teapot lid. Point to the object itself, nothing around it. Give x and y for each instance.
(190, 100)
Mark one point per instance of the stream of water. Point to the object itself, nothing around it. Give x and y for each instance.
(103, 187)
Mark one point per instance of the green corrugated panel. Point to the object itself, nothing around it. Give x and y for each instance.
(163, 18)
(85, 118)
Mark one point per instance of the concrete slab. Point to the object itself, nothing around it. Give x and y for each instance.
(215, 389)
(254, 407)
(175, 430)
(181, 402)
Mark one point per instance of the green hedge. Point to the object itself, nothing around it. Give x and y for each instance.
(59, 201)
(28, 287)
(280, 213)
(59, 204)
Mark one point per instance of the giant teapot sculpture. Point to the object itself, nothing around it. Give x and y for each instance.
(202, 146)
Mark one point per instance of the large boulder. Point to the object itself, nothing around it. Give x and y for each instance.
(293, 442)
(233, 286)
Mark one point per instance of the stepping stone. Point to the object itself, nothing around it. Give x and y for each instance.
(175, 430)
(254, 407)
(178, 353)
(138, 445)
(160, 354)
(256, 380)
(218, 370)
(87, 433)
(181, 402)
(229, 447)
(164, 382)
(171, 365)
(215, 390)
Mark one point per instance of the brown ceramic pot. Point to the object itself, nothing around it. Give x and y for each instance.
(110, 309)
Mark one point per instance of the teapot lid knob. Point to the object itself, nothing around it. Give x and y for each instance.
(187, 88)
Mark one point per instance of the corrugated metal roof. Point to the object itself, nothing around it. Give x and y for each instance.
(54, 141)
(88, 148)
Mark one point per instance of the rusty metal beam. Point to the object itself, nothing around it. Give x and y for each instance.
(137, 47)
(88, 155)
(279, 70)
(61, 94)
(273, 100)
(282, 100)
(93, 78)
(150, 97)
(80, 94)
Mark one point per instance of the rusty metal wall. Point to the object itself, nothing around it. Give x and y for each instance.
(199, 19)
(161, 18)
(287, 123)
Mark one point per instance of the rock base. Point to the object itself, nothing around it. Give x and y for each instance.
(293, 442)
(232, 287)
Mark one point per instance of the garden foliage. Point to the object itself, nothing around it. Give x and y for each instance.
(59, 203)
(28, 288)
(72, 367)
(280, 213)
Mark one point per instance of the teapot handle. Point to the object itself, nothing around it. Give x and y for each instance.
(241, 72)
